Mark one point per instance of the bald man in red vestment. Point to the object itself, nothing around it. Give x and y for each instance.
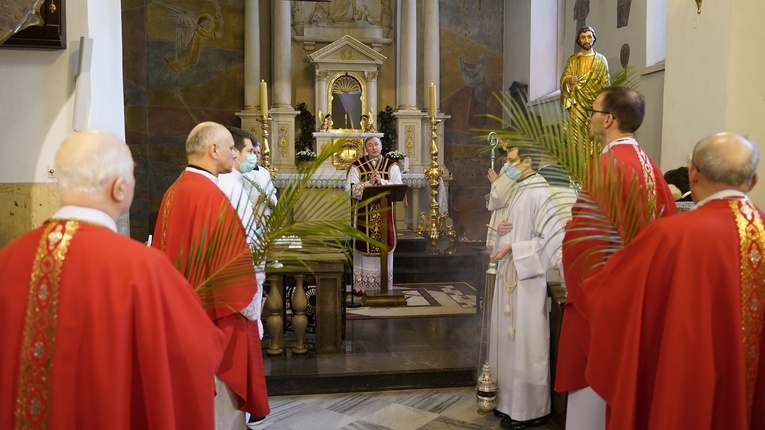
(677, 316)
(194, 211)
(98, 330)
(616, 115)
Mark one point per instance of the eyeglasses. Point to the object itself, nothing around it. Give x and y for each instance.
(592, 111)
(692, 163)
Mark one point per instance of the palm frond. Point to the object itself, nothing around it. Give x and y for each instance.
(216, 265)
(610, 209)
(626, 77)
(324, 236)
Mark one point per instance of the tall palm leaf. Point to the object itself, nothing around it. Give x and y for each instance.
(612, 207)
(324, 230)
(323, 237)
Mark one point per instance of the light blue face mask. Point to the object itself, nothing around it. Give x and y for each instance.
(512, 172)
(249, 164)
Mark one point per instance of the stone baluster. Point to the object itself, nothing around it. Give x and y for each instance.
(299, 319)
(275, 305)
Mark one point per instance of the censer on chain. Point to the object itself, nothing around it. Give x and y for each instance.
(486, 388)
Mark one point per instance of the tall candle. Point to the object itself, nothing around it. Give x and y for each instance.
(263, 98)
(432, 100)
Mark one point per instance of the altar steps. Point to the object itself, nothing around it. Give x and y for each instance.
(395, 353)
(384, 354)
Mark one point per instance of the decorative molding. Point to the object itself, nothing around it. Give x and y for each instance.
(371, 75)
(409, 139)
(335, 181)
(283, 131)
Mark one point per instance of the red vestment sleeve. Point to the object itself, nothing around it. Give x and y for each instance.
(196, 214)
(579, 262)
(132, 345)
(665, 317)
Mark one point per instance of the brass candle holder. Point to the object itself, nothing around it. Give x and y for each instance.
(434, 224)
(265, 151)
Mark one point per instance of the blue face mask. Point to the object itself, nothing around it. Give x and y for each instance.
(249, 164)
(512, 171)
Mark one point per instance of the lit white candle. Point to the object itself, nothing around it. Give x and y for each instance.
(433, 100)
(263, 98)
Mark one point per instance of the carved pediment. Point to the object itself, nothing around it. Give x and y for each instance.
(347, 50)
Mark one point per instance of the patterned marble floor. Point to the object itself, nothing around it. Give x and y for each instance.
(429, 409)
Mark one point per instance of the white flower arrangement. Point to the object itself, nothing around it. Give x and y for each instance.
(305, 155)
(395, 155)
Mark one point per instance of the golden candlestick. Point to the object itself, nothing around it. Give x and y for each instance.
(434, 224)
(265, 151)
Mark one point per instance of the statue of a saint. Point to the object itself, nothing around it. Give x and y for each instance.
(586, 72)
(367, 123)
(326, 122)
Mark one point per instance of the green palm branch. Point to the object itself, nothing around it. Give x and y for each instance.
(610, 210)
(324, 236)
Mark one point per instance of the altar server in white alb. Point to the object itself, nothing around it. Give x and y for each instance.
(528, 246)
(258, 184)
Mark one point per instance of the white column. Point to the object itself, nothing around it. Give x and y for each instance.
(321, 95)
(251, 54)
(371, 79)
(432, 48)
(282, 56)
(408, 56)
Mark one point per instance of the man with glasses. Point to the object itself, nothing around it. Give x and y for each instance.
(677, 316)
(615, 116)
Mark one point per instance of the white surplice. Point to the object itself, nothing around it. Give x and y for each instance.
(498, 204)
(519, 337)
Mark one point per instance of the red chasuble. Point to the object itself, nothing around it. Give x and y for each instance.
(193, 211)
(366, 219)
(99, 331)
(677, 323)
(630, 161)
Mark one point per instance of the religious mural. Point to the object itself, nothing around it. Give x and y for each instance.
(184, 63)
(191, 30)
